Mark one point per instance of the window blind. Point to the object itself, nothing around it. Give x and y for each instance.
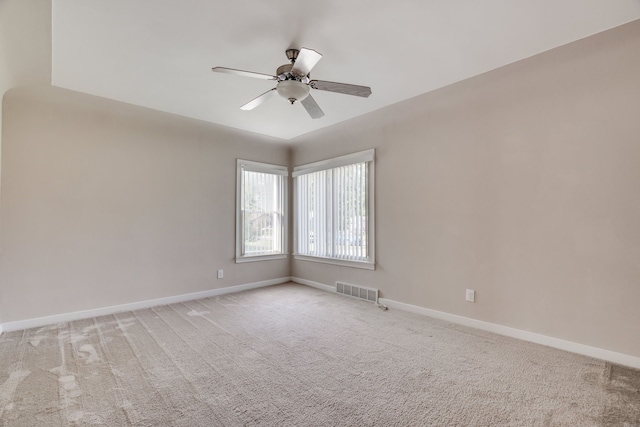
(332, 208)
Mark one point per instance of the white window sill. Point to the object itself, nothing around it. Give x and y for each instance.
(342, 262)
(259, 258)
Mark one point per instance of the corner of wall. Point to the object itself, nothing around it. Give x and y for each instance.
(23, 22)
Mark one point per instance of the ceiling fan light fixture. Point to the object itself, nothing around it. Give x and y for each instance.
(294, 83)
(292, 90)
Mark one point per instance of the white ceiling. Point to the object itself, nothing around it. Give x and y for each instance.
(159, 53)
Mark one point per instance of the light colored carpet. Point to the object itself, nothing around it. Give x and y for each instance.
(293, 355)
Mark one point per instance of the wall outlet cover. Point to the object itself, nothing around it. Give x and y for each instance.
(471, 295)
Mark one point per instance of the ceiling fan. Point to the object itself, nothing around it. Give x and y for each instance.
(294, 82)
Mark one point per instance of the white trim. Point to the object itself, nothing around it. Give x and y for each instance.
(316, 285)
(337, 261)
(254, 258)
(570, 346)
(371, 201)
(573, 347)
(368, 157)
(349, 159)
(105, 311)
(282, 171)
(263, 167)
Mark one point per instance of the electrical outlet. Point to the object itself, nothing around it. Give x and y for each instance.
(220, 274)
(471, 295)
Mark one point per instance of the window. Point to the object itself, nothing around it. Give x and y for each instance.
(261, 222)
(334, 211)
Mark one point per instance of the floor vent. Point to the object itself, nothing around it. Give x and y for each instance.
(359, 292)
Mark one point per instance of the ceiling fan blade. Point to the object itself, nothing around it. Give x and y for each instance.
(259, 100)
(243, 73)
(312, 107)
(306, 60)
(347, 89)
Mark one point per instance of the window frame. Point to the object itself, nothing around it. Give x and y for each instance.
(283, 171)
(367, 156)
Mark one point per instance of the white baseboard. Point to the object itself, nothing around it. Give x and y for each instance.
(573, 347)
(104, 311)
(316, 285)
(598, 353)
(585, 350)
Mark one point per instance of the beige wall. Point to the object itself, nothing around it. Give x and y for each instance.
(523, 184)
(25, 43)
(106, 203)
(25, 54)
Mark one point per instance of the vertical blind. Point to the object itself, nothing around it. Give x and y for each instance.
(262, 212)
(331, 208)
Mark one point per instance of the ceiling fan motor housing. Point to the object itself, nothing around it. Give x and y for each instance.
(284, 71)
